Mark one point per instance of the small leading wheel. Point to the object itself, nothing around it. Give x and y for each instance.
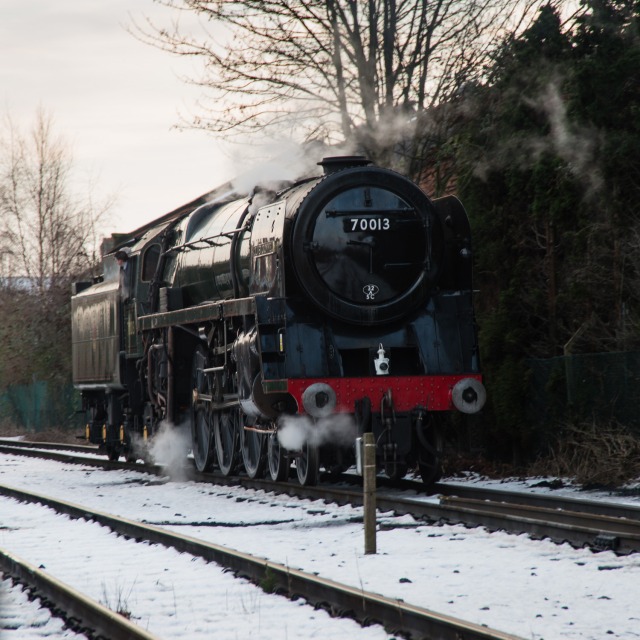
(277, 459)
(308, 465)
(253, 451)
(396, 470)
(201, 437)
(226, 427)
(430, 451)
(113, 452)
(112, 444)
(130, 452)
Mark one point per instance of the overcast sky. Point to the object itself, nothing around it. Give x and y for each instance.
(115, 100)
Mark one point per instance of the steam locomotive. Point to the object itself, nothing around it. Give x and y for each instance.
(321, 309)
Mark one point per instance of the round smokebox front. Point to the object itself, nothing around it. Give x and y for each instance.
(362, 245)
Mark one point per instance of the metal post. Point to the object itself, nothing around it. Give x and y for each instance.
(369, 491)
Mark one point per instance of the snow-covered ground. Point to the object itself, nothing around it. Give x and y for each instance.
(171, 594)
(534, 589)
(24, 619)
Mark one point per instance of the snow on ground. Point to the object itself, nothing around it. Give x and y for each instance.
(534, 589)
(171, 594)
(24, 619)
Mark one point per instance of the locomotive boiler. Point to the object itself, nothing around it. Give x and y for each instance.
(283, 324)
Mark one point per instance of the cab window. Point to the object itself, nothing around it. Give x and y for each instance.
(150, 262)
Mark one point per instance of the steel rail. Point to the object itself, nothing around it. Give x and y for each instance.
(618, 528)
(91, 460)
(53, 446)
(585, 505)
(81, 613)
(613, 530)
(61, 456)
(601, 533)
(550, 513)
(341, 600)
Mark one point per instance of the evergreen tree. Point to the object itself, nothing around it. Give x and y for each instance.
(547, 168)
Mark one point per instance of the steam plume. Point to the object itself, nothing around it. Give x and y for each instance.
(167, 448)
(338, 429)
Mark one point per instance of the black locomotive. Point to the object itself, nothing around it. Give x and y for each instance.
(284, 324)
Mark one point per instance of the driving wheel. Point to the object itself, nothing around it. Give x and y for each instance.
(200, 417)
(308, 465)
(226, 429)
(277, 459)
(253, 451)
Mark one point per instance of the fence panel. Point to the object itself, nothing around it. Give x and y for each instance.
(39, 405)
(587, 387)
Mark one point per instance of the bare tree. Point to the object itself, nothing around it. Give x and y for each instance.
(47, 232)
(48, 236)
(335, 70)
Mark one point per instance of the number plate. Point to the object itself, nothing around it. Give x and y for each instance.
(357, 225)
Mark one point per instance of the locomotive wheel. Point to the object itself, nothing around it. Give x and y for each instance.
(113, 452)
(253, 452)
(226, 427)
(278, 461)
(112, 444)
(308, 465)
(129, 450)
(430, 454)
(396, 471)
(201, 439)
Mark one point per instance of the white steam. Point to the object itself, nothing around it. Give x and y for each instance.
(338, 429)
(291, 162)
(578, 145)
(167, 448)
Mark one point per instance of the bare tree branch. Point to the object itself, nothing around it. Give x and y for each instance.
(358, 71)
(47, 233)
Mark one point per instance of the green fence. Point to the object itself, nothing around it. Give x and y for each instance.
(40, 406)
(600, 387)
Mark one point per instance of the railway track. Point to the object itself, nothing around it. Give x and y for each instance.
(80, 613)
(337, 599)
(582, 523)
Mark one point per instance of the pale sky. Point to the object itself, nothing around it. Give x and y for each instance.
(113, 99)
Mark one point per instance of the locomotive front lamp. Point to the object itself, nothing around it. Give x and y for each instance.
(468, 395)
(381, 363)
(319, 400)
